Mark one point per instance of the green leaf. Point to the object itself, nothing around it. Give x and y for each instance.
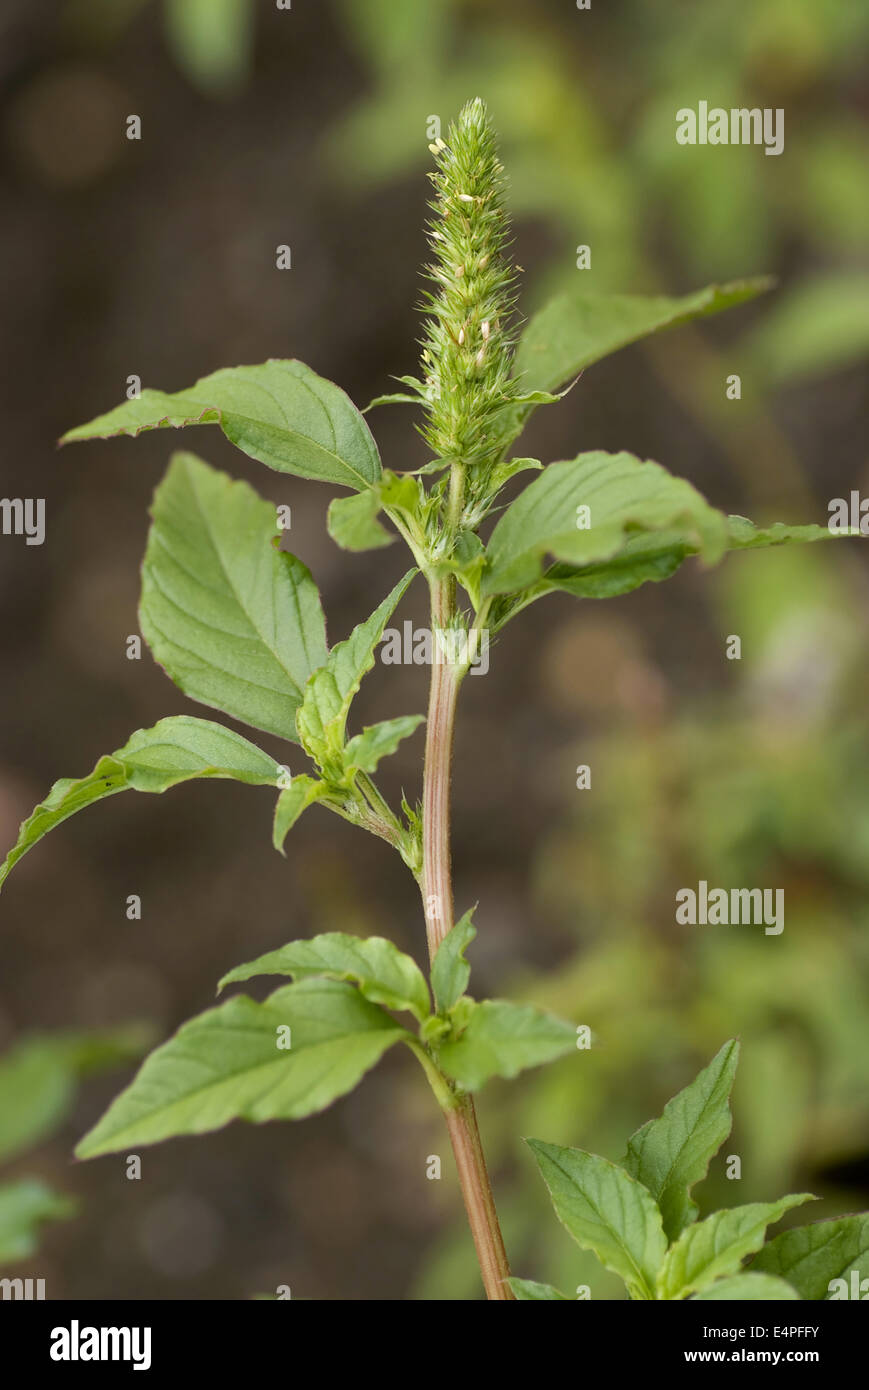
(578, 328)
(363, 752)
(607, 1211)
(384, 974)
(748, 1288)
(211, 41)
(322, 716)
(280, 413)
(811, 1257)
(235, 622)
(402, 492)
(37, 1088)
(352, 522)
(529, 1291)
(744, 535)
(538, 398)
(623, 495)
(24, 1206)
(450, 971)
(645, 557)
(502, 1039)
(175, 750)
(503, 472)
(226, 1064)
(39, 1075)
(716, 1247)
(302, 792)
(468, 563)
(669, 1155)
(394, 398)
(655, 556)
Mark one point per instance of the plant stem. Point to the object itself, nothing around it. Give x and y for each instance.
(437, 893)
(445, 1097)
(437, 885)
(479, 1200)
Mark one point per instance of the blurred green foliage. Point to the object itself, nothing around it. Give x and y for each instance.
(39, 1082)
(585, 106)
(211, 41)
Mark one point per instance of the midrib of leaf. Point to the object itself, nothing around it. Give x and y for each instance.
(313, 444)
(814, 1251)
(683, 1146)
(244, 1074)
(207, 535)
(721, 1255)
(242, 599)
(566, 484)
(641, 1278)
(303, 633)
(212, 627)
(329, 453)
(134, 761)
(593, 484)
(685, 1143)
(624, 521)
(311, 392)
(81, 796)
(222, 413)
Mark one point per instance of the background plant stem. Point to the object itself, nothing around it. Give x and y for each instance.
(437, 893)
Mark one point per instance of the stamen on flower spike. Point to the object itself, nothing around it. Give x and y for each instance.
(468, 424)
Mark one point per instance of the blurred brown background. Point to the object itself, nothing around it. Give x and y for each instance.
(157, 257)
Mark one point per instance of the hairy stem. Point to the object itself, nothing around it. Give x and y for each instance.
(437, 883)
(479, 1200)
(437, 892)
